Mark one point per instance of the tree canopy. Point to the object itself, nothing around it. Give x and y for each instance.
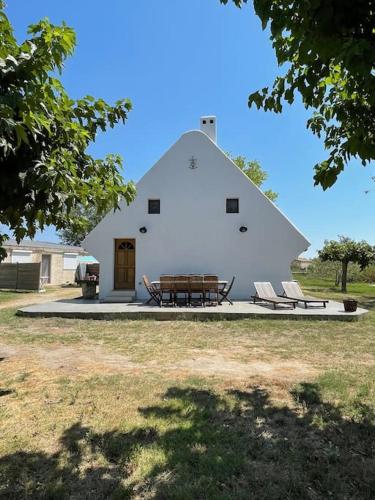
(88, 218)
(346, 250)
(328, 50)
(45, 169)
(254, 171)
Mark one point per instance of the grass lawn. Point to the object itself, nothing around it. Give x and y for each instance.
(261, 409)
(6, 295)
(10, 298)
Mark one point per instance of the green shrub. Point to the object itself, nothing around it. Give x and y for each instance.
(368, 274)
(306, 393)
(332, 270)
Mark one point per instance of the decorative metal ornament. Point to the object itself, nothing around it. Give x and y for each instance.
(243, 229)
(143, 230)
(193, 163)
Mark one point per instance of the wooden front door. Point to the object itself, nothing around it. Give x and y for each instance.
(125, 264)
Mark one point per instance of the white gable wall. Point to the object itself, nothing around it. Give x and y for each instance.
(193, 233)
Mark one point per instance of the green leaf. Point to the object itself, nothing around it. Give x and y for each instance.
(46, 135)
(21, 135)
(329, 60)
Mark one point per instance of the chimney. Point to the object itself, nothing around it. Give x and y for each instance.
(208, 126)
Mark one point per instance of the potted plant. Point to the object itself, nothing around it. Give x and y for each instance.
(350, 305)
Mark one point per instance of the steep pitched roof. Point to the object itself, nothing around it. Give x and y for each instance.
(202, 136)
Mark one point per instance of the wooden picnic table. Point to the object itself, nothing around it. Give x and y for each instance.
(190, 287)
(222, 283)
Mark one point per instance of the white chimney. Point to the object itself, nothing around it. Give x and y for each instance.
(208, 126)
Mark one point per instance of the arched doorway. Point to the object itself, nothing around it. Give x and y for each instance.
(125, 264)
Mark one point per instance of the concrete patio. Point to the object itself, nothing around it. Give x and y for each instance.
(93, 309)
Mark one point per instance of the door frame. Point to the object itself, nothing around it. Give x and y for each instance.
(49, 267)
(133, 240)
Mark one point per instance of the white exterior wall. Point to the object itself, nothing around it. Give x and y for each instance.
(193, 233)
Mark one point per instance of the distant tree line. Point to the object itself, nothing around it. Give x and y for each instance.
(345, 260)
(332, 271)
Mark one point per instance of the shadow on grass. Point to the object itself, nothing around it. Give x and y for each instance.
(6, 392)
(197, 444)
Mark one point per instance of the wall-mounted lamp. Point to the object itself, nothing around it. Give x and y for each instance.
(243, 229)
(143, 229)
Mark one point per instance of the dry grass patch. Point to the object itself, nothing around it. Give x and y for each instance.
(216, 410)
(18, 299)
(147, 436)
(318, 344)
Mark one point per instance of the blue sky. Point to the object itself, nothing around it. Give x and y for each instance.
(178, 60)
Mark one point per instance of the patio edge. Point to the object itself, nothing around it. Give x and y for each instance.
(185, 316)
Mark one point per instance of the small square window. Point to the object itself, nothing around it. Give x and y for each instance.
(232, 206)
(154, 206)
(211, 121)
(204, 122)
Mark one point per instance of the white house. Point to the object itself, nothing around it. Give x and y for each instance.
(195, 212)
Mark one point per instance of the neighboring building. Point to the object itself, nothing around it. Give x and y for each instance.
(195, 212)
(59, 262)
(301, 263)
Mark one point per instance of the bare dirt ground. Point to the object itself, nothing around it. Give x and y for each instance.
(217, 364)
(66, 360)
(90, 360)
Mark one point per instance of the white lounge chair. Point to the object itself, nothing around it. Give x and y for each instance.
(266, 293)
(292, 290)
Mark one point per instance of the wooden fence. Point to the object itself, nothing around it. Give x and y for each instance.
(20, 276)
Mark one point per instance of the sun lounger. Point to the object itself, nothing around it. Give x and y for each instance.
(292, 290)
(266, 293)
